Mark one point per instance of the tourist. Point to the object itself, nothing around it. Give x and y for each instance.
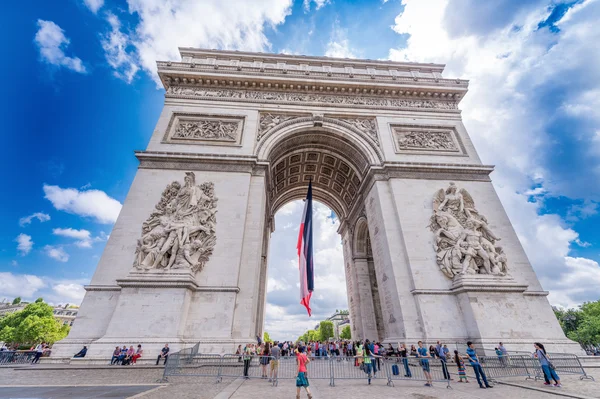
(239, 352)
(359, 355)
(474, 360)
(460, 364)
(128, 356)
(123, 354)
(248, 352)
(115, 356)
(368, 362)
(39, 351)
(390, 350)
(138, 353)
(547, 366)
(442, 356)
(503, 349)
(81, 353)
(413, 351)
(404, 355)
(302, 379)
(446, 352)
(432, 352)
(275, 354)
(164, 354)
(424, 360)
(265, 358)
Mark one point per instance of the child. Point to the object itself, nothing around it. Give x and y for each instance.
(462, 374)
(302, 379)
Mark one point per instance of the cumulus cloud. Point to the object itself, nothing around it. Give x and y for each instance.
(165, 26)
(42, 217)
(52, 43)
(89, 203)
(118, 52)
(30, 287)
(338, 45)
(24, 244)
(84, 237)
(520, 110)
(57, 253)
(285, 318)
(94, 5)
(318, 4)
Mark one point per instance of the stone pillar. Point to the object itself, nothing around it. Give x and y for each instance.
(352, 287)
(367, 309)
(401, 317)
(245, 318)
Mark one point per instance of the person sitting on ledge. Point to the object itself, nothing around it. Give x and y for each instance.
(164, 353)
(128, 356)
(138, 354)
(115, 356)
(122, 355)
(81, 353)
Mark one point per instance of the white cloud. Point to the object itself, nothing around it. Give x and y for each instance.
(57, 253)
(14, 263)
(506, 67)
(52, 42)
(579, 283)
(24, 244)
(115, 45)
(165, 26)
(42, 217)
(89, 203)
(339, 46)
(318, 4)
(83, 237)
(23, 285)
(30, 287)
(94, 5)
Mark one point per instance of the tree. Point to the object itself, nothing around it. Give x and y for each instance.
(346, 334)
(40, 299)
(325, 330)
(266, 337)
(16, 301)
(35, 323)
(313, 335)
(587, 331)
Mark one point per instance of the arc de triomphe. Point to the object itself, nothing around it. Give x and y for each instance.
(429, 251)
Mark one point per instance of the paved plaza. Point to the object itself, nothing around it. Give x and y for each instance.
(140, 382)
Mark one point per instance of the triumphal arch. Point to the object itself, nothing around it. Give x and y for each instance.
(429, 251)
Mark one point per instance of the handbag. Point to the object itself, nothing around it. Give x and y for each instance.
(548, 360)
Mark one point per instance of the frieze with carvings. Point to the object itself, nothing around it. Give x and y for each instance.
(180, 233)
(206, 130)
(269, 121)
(464, 242)
(316, 98)
(426, 140)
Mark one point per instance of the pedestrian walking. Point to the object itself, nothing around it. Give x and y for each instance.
(302, 380)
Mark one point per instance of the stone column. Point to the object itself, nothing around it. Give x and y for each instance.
(245, 318)
(352, 287)
(367, 309)
(401, 317)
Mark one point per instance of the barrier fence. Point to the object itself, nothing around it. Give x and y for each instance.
(497, 367)
(16, 357)
(390, 370)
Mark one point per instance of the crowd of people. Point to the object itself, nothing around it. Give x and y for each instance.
(368, 357)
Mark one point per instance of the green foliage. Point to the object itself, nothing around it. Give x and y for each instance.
(16, 301)
(583, 324)
(40, 299)
(325, 330)
(266, 337)
(346, 334)
(35, 323)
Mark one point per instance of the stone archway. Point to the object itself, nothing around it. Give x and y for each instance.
(239, 135)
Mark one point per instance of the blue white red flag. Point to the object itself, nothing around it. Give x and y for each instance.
(305, 252)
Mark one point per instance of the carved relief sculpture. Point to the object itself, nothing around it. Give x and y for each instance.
(206, 129)
(180, 232)
(464, 242)
(427, 140)
(268, 121)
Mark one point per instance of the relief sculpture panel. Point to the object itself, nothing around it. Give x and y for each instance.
(204, 129)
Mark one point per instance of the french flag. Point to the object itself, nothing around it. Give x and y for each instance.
(305, 252)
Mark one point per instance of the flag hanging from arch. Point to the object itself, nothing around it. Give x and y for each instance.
(305, 252)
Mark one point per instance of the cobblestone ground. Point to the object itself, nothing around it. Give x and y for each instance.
(192, 387)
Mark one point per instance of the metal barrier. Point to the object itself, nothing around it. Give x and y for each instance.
(16, 357)
(527, 366)
(417, 369)
(354, 368)
(567, 363)
(319, 368)
(187, 364)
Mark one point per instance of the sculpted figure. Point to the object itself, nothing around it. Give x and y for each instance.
(180, 233)
(464, 242)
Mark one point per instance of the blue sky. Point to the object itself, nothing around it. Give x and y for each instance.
(80, 95)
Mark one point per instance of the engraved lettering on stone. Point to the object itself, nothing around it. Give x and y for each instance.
(430, 140)
(464, 242)
(267, 96)
(207, 130)
(180, 232)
